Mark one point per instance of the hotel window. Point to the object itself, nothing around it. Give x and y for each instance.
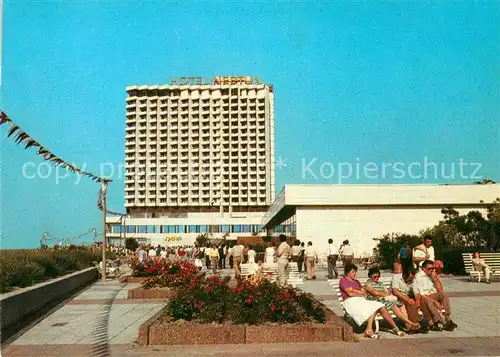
(193, 229)
(116, 228)
(173, 229)
(131, 229)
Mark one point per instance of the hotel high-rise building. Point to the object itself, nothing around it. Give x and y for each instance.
(193, 147)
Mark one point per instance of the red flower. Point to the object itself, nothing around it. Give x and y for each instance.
(248, 301)
(297, 293)
(234, 290)
(272, 307)
(283, 307)
(219, 282)
(209, 289)
(291, 314)
(193, 283)
(278, 297)
(287, 295)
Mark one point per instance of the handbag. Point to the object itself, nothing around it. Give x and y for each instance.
(390, 298)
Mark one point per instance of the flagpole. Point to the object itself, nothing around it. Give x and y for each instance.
(104, 189)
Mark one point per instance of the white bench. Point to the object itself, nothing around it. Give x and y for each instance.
(247, 269)
(111, 271)
(491, 259)
(323, 261)
(294, 278)
(270, 270)
(386, 280)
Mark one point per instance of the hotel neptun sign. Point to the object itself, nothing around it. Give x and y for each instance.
(217, 80)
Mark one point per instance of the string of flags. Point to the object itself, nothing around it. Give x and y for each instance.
(23, 137)
(20, 136)
(47, 236)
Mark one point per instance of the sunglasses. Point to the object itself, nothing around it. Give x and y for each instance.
(430, 268)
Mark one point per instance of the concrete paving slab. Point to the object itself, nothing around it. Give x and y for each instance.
(475, 316)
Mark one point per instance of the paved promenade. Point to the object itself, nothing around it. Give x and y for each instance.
(101, 322)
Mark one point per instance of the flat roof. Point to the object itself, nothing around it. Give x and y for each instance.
(293, 196)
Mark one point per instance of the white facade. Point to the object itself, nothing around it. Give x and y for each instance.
(183, 231)
(199, 146)
(360, 213)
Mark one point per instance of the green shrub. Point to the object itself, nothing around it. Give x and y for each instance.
(455, 234)
(131, 244)
(21, 268)
(389, 245)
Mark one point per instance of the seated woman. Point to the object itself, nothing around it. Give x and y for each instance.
(376, 290)
(480, 265)
(358, 307)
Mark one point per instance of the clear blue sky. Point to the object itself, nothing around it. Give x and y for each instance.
(384, 82)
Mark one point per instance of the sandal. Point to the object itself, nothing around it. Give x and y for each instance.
(397, 332)
(413, 326)
(371, 334)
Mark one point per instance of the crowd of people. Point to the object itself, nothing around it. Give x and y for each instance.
(220, 256)
(415, 282)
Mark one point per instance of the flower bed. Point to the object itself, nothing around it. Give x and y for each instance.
(209, 310)
(163, 273)
(146, 268)
(171, 275)
(164, 279)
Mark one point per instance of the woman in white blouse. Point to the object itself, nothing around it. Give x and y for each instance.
(270, 254)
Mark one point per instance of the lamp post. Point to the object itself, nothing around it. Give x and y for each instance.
(104, 188)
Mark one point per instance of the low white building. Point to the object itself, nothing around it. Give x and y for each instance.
(360, 213)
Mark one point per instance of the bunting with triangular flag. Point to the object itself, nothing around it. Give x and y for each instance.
(23, 137)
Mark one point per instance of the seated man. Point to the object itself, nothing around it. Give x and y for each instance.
(429, 293)
(401, 287)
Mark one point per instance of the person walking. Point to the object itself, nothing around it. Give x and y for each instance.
(296, 250)
(404, 258)
(222, 257)
(198, 257)
(283, 254)
(251, 255)
(208, 252)
(230, 257)
(269, 253)
(332, 260)
(311, 259)
(346, 253)
(302, 261)
(214, 257)
(237, 258)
